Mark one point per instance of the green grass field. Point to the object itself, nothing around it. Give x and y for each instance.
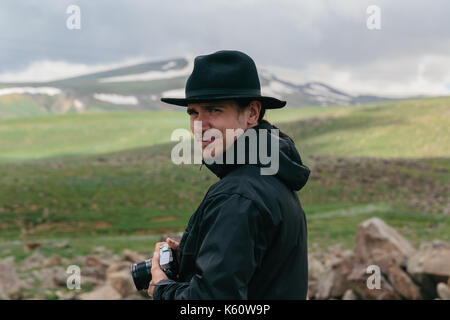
(28, 138)
(107, 178)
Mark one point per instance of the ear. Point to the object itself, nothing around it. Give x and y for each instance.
(254, 109)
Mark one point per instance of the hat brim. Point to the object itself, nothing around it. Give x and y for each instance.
(267, 102)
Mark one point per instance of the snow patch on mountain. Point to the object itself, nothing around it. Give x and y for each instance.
(327, 95)
(116, 98)
(30, 90)
(154, 75)
(175, 93)
(276, 89)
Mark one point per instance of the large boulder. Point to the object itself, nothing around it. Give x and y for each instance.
(432, 259)
(122, 282)
(358, 283)
(429, 266)
(379, 244)
(333, 283)
(403, 284)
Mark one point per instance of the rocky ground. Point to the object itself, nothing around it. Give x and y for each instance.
(405, 272)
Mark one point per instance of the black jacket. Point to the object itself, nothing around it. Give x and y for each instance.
(248, 238)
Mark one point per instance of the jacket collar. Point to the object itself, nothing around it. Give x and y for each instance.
(291, 169)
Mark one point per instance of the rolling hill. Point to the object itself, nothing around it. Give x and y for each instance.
(403, 129)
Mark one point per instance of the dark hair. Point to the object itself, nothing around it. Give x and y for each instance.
(245, 102)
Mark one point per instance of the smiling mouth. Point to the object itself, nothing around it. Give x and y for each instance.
(206, 142)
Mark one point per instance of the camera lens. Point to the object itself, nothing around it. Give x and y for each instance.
(141, 274)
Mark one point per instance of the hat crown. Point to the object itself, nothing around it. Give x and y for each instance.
(229, 70)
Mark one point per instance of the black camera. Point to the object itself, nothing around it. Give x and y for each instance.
(141, 271)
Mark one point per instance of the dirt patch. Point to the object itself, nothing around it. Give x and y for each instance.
(162, 219)
(68, 227)
(157, 231)
(409, 181)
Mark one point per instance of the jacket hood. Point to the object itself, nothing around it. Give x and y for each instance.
(291, 170)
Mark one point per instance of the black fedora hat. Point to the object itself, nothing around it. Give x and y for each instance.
(223, 75)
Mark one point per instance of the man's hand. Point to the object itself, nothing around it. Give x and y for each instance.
(157, 273)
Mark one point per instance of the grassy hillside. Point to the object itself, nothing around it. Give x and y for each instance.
(411, 129)
(408, 129)
(141, 192)
(97, 133)
(15, 105)
(388, 160)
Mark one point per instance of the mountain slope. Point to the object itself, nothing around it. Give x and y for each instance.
(140, 87)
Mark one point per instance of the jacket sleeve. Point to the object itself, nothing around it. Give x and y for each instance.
(235, 236)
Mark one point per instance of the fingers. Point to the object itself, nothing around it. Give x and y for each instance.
(150, 290)
(155, 259)
(172, 243)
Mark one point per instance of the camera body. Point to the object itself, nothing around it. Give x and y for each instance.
(141, 271)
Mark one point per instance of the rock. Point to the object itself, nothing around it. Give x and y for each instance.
(93, 272)
(431, 259)
(46, 276)
(443, 291)
(315, 269)
(95, 262)
(132, 256)
(358, 279)
(32, 245)
(9, 281)
(315, 272)
(52, 261)
(122, 282)
(349, 295)
(403, 284)
(35, 260)
(119, 266)
(135, 296)
(105, 292)
(312, 289)
(60, 279)
(91, 281)
(65, 295)
(334, 283)
(379, 244)
(429, 266)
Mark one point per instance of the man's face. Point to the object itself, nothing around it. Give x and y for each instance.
(219, 115)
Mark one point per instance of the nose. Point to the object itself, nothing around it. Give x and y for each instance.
(203, 117)
(198, 130)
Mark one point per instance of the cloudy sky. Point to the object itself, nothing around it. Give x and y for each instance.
(306, 40)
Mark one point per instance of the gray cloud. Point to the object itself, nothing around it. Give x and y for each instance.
(291, 34)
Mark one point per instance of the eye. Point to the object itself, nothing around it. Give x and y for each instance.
(215, 110)
(191, 112)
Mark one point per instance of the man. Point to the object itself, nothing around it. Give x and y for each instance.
(248, 238)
